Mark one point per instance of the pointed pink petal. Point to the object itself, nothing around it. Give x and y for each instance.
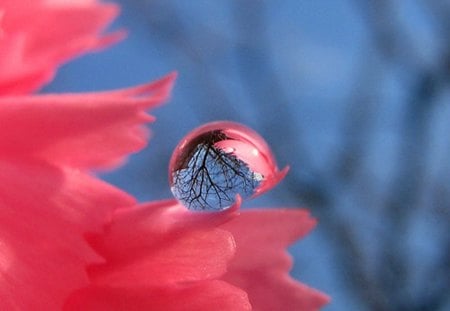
(44, 211)
(261, 264)
(80, 130)
(35, 60)
(161, 243)
(272, 181)
(200, 296)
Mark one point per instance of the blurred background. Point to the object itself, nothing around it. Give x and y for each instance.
(353, 95)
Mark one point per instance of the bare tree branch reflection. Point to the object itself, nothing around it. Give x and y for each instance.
(207, 177)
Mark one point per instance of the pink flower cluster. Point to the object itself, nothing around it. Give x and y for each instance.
(69, 241)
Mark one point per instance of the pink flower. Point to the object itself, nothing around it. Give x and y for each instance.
(71, 241)
(49, 199)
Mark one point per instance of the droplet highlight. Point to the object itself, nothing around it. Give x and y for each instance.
(219, 161)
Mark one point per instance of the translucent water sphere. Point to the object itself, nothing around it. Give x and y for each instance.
(218, 161)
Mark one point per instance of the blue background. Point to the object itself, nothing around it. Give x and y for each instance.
(353, 95)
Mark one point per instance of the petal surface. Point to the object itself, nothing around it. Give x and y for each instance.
(200, 296)
(261, 264)
(161, 244)
(91, 130)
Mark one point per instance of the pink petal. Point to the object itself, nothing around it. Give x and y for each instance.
(199, 296)
(71, 29)
(261, 264)
(80, 130)
(159, 244)
(44, 211)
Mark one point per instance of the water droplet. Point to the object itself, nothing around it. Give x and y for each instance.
(218, 161)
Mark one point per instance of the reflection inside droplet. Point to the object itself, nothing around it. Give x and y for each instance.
(218, 161)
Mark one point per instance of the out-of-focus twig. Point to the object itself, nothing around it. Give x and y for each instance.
(261, 81)
(406, 189)
(165, 23)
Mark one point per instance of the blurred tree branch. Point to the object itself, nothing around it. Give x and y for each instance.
(383, 287)
(392, 42)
